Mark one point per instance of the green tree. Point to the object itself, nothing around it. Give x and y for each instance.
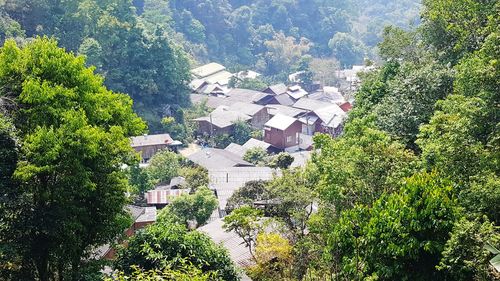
(247, 194)
(465, 256)
(158, 247)
(292, 198)
(187, 273)
(73, 136)
(138, 179)
(411, 97)
(456, 28)
(241, 132)
(196, 177)
(360, 166)
(347, 49)
(306, 75)
(256, 155)
(162, 167)
(283, 160)
(401, 237)
(196, 207)
(246, 222)
(283, 52)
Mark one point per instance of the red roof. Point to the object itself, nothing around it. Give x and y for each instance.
(346, 106)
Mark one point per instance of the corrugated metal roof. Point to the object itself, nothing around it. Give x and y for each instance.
(275, 109)
(235, 245)
(280, 122)
(149, 215)
(331, 97)
(236, 149)
(252, 143)
(277, 89)
(245, 95)
(222, 78)
(311, 104)
(207, 69)
(226, 180)
(147, 140)
(297, 92)
(247, 108)
(222, 117)
(284, 99)
(212, 158)
(332, 116)
(164, 196)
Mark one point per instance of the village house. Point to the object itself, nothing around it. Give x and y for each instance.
(220, 121)
(275, 109)
(212, 73)
(236, 149)
(142, 217)
(328, 94)
(149, 145)
(258, 113)
(160, 198)
(283, 132)
(332, 119)
(276, 90)
(248, 96)
(247, 74)
(240, 150)
(296, 92)
(211, 158)
(282, 99)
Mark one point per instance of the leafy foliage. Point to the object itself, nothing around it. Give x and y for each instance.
(256, 155)
(400, 237)
(158, 247)
(162, 167)
(197, 207)
(68, 191)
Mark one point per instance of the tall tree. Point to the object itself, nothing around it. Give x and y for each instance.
(69, 187)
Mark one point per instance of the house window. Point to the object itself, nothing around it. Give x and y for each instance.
(289, 139)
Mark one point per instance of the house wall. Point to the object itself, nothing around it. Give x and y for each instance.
(260, 118)
(204, 128)
(283, 139)
(149, 151)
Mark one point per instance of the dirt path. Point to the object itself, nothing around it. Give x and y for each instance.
(191, 149)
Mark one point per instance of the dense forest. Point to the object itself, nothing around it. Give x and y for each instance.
(144, 48)
(409, 191)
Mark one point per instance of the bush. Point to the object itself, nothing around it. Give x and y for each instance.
(256, 156)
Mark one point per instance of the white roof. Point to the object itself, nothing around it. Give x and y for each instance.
(207, 70)
(222, 78)
(223, 117)
(331, 116)
(196, 83)
(247, 74)
(296, 92)
(147, 140)
(280, 122)
(311, 104)
(251, 143)
(309, 120)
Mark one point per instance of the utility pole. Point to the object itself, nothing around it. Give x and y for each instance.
(211, 129)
